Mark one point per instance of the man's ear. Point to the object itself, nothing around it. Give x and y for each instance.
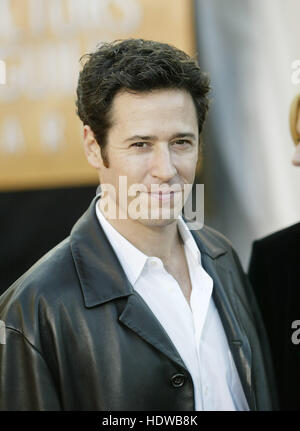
(92, 148)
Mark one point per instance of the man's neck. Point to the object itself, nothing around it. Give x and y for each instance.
(160, 241)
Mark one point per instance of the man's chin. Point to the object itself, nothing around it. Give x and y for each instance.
(156, 222)
(159, 217)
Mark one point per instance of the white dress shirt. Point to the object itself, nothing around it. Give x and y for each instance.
(196, 330)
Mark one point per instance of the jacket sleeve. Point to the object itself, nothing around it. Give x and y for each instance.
(25, 380)
(262, 334)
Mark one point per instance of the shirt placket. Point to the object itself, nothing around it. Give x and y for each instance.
(200, 299)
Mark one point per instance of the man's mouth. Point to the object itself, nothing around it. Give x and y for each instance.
(163, 196)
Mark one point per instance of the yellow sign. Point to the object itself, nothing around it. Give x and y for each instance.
(41, 42)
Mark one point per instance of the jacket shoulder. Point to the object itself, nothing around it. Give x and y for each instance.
(213, 242)
(217, 236)
(283, 242)
(282, 236)
(45, 285)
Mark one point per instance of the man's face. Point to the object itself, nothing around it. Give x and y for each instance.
(153, 141)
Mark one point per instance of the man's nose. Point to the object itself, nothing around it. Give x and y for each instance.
(162, 166)
(296, 158)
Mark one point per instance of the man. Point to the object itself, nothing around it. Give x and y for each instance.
(274, 271)
(136, 312)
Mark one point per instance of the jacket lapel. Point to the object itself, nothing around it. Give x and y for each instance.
(102, 279)
(138, 317)
(226, 304)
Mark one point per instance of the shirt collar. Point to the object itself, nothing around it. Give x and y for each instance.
(188, 240)
(131, 258)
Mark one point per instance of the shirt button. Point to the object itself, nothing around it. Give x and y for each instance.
(178, 380)
(206, 391)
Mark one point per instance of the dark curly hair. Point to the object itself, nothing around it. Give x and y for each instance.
(140, 66)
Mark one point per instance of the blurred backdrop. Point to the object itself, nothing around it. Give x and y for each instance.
(45, 181)
(249, 49)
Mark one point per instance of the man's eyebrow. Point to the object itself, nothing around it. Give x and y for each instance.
(149, 138)
(183, 135)
(140, 138)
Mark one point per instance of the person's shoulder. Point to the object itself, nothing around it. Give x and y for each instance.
(215, 244)
(218, 246)
(285, 238)
(43, 285)
(215, 237)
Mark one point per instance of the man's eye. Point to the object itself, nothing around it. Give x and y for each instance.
(182, 142)
(140, 144)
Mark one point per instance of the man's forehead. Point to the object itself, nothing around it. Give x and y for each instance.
(143, 106)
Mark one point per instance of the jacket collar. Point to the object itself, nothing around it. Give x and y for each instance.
(100, 273)
(208, 244)
(96, 260)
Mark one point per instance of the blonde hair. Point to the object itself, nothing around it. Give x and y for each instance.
(294, 112)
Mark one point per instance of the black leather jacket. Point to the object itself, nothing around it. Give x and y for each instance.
(79, 337)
